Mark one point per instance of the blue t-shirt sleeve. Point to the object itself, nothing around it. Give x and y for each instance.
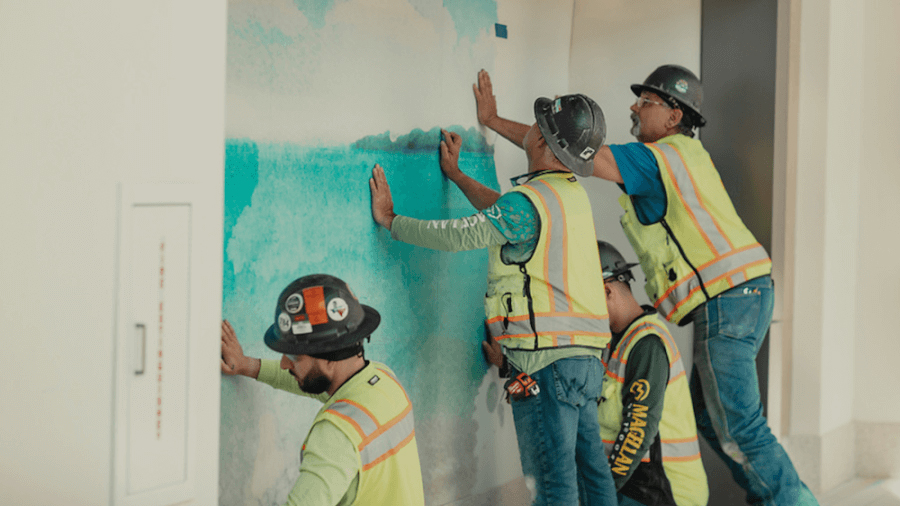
(641, 180)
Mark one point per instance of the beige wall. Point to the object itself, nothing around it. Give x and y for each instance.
(839, 241)
(93, 94)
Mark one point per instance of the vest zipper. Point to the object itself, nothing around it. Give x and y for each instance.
(526, 291)
(684, 256)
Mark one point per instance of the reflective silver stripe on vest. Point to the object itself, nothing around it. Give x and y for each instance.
(669, 450)
(689, 195)
(675, 369)
(681, 449)
(555, 247)
(710, 274)
(365, 422)
(549, 324)
(387, 440)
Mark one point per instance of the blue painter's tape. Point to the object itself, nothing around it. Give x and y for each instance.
(500, 30)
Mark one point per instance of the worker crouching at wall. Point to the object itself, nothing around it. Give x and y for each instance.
(361, 449)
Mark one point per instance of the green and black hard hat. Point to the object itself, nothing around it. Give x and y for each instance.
(678, 84)
(574, 128)
(318, 315)
(613, 263)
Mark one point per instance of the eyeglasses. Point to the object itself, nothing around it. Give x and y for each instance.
(642, 100)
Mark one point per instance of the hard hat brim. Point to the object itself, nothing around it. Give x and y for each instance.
(298, 345)
(618, 271)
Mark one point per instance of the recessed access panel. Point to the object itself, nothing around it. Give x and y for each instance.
(152, 425)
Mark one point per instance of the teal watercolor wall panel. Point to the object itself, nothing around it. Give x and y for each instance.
(299, 154)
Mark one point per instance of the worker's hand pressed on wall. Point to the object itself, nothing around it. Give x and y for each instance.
(232, 353)
(382, 203)
(450, 146)
(485, 101)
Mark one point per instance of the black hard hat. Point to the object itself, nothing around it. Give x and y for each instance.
(574, 128)
(613, 263)
(319, 314)
(679, 84)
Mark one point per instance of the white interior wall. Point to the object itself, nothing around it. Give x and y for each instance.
(93, 94)
(876, 403)
(532, 62)
(841, 195)
(877, 373)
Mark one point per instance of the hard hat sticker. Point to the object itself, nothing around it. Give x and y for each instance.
(587, 153)
(284, 322)
(681, 85)
(337, 309)
(315, 304)
(301, 327)
(557, 106)
(294, 303)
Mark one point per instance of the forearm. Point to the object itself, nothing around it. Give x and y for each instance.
(460, 234)
(248, 366)
(479, 195)
(511, 130)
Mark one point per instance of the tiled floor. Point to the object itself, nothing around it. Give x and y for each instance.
(864, 492)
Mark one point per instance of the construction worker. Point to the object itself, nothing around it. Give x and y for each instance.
(361, 448)
(702, 265)
(646, 419)
(543, 303)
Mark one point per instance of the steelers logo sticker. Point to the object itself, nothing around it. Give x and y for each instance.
(337, 309)
(294, 303)
(284, 322)
(681, 86)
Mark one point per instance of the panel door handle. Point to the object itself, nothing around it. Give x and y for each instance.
(141, 359)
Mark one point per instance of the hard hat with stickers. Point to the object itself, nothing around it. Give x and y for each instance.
(319, 314)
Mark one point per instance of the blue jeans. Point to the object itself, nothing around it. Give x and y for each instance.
(559, 435)
(728, 332)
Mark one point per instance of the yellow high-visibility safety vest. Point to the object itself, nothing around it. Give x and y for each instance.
(556, 298)
(375, 413)
(701, 247)
(677, 429)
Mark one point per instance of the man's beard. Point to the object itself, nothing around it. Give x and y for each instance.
(314, 384)
(635, 125)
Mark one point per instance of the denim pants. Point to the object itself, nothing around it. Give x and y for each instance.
(559, 435)
(728, 332)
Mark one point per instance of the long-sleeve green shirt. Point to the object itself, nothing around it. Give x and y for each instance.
(330, 467)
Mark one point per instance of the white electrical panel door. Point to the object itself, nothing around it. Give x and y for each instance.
(153, 455)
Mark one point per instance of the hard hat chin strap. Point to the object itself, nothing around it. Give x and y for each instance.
(341, 354)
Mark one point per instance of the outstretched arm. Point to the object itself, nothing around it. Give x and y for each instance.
(486, 105)
(605, 166)
(478, 194)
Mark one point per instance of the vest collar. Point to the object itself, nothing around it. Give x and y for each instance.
(351, 379)
(528, 176)
(617, 336)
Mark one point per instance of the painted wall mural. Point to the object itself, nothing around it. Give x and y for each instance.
(317, 93)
